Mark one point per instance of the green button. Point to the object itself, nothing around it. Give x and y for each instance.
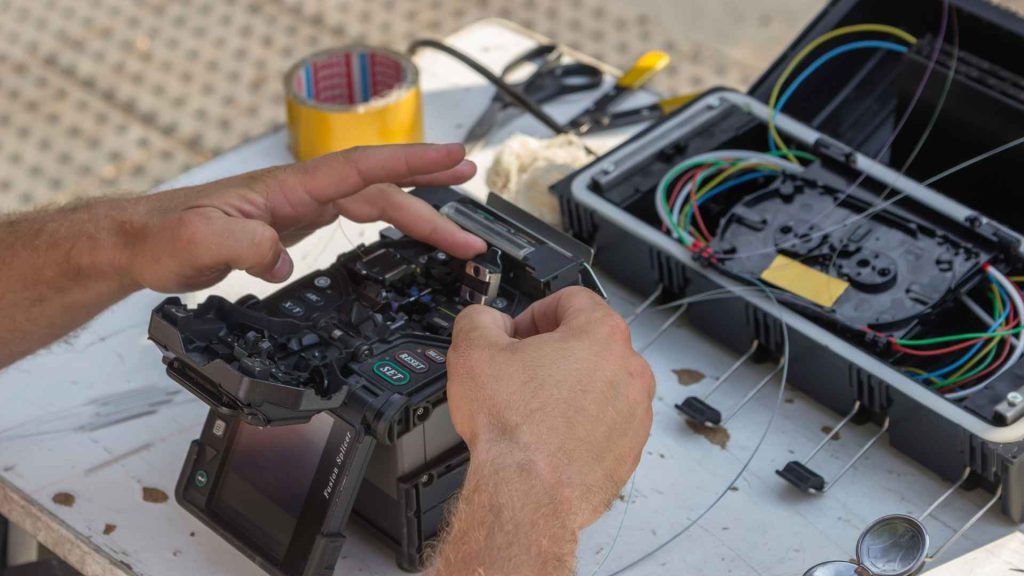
(391, 373)
(201, 479)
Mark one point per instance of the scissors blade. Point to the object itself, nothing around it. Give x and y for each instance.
(484, 124)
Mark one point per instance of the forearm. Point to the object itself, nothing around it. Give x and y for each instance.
(508, 522)
(60, 268)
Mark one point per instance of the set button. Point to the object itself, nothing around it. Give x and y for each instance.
(389, 372)
(293, 308)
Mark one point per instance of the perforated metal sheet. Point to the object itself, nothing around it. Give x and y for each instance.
(112, 95)
(61, 142)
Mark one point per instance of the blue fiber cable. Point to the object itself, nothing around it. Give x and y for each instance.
(859, 45)
(732, 182)
(974, 350)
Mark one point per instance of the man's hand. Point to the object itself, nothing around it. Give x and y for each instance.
(555, 406)
(191, 238)
(63, 266)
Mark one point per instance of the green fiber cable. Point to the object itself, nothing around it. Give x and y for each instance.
(674, 173)
(961, 337)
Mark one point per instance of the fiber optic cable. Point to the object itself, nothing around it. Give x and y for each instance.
(980, 372)
(729, 293)
(972, 352)
(1018, 350)
(725, 186)
(1000, 331)
(860, 45)
(884, 204)
(838, 32)
(988, 353)
(994, 327)
(661, 197)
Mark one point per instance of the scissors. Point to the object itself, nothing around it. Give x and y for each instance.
(598, 116)
(550, 80)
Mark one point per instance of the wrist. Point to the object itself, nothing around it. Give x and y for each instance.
(535, 473)
(509, 520)
(104, 255)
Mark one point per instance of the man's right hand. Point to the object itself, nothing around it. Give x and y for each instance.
(555, 406)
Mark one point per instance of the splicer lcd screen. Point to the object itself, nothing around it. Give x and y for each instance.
(268, 477)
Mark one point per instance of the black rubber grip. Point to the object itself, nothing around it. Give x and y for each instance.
(699, 410)
(799, 475)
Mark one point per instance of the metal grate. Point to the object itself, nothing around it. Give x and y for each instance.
(112, 95)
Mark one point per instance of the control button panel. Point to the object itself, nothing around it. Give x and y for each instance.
(406, 366)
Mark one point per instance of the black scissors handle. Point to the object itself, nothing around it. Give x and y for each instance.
(560, 80)
(539, 76)
(537, 58)
(551, 79)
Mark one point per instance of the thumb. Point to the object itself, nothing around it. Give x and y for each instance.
(255, 247)
(482, 326)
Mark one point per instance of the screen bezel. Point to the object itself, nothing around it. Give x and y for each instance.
(309, 525)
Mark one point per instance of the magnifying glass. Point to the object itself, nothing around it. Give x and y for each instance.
(895, 545)
(837, 568)
(898, 544)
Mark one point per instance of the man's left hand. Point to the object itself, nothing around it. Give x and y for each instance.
(190, 238)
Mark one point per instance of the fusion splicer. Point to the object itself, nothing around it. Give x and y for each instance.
(328, 396)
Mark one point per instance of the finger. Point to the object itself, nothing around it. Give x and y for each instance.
(252, 246)
(457, 175)
(342, 174)
(482, 326)
(563, 308)
(412, 216)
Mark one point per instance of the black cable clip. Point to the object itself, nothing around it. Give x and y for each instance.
(700, 410)
(800, 475)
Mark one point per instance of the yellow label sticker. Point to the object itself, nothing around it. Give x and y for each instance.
(804, 281)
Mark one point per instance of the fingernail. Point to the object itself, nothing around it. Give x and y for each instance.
(480, 245)
(457, 145)
(283, 269)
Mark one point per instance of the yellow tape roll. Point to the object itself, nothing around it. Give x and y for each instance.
(352, 96)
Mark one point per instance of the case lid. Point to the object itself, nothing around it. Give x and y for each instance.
(902, 107)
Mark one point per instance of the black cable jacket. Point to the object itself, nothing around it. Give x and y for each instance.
(502, 86)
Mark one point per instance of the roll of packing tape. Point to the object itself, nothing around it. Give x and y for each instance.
(352, 96)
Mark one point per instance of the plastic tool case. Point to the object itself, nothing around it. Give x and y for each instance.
(935, 236)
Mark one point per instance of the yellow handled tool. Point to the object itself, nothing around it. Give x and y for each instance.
(645, 68)
(653, 111)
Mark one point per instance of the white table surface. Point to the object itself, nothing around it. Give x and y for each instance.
(95, 417)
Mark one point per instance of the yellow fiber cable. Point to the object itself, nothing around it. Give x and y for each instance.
(845, 30)
(984, 351)
(921, 372)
